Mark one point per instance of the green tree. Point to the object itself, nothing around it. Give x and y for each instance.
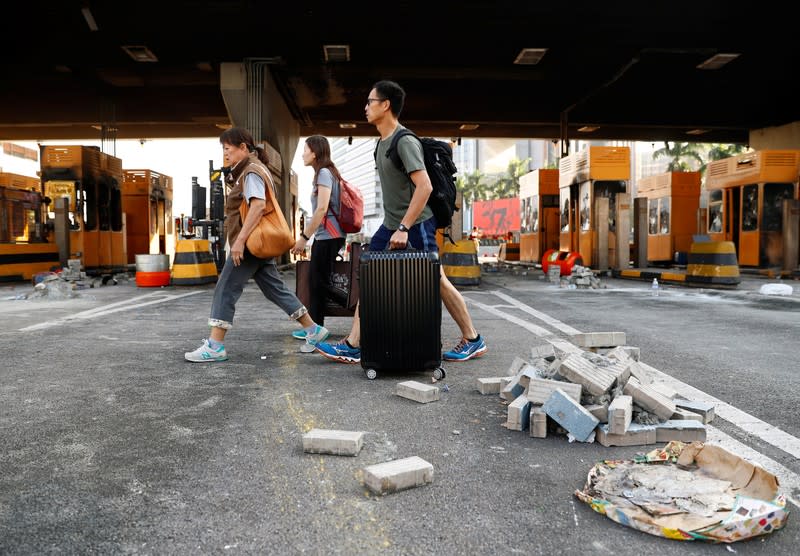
(473, 187)
(679, 155)
(718, 151)
(507, 185)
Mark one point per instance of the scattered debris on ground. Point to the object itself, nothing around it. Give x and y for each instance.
(687, 492)
(595, 389)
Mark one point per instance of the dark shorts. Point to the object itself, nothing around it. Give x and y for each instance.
(421, 236)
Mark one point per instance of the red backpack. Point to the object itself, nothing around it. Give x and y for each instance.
(351, 208)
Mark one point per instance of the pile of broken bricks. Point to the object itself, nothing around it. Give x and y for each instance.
(595, 389)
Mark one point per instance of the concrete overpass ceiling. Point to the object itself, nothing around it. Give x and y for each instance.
(631, 71)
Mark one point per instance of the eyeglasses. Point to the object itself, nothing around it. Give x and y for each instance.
(375, 100)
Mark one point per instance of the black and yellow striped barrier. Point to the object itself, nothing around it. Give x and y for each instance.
(509, 252)
(193, 263)
(460, 263)
(713, 262)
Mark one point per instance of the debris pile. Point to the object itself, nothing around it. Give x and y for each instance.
(595, 389)
(581, 278)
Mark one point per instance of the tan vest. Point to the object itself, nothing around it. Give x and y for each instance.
(235, 198)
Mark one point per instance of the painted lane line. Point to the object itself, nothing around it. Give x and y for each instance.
(104, 310)
(536, 330)
(752, 425)
(555, 323)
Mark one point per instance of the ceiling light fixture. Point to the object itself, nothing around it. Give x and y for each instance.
(588, 128)
(140, 53)
(347, 126)
(530, 56)
(697, 131)
(718, 60)
(87, 15)
(336, 52)
(468, 127)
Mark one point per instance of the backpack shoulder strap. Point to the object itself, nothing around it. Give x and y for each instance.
(391, 152)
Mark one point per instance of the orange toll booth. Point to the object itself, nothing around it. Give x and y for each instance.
(584, 178)
(745, 203)
(147, 203)
(673, 200)
(539, 230)
(92, 181)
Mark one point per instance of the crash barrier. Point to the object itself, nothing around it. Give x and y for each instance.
(713, 262)
(460, 263)
(152, 271)
(509, 252)
(193, 264)
(564, 260)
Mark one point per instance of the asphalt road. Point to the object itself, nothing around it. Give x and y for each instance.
(113, 444)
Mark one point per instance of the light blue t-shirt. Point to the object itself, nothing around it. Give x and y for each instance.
(325, 178)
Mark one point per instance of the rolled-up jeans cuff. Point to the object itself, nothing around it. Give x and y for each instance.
(220, 324)
(299, 313)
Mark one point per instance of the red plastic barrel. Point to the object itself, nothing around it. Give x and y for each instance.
(566, 260)
(152, 279)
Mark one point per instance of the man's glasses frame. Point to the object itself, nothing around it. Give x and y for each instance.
(369, 100)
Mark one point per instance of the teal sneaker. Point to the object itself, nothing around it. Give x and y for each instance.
(320, 334)
(205, 354)
(299, 334)
(466, 350)
(340, 352)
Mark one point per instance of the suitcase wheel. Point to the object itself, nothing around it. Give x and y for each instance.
(371, 373)
(439, 373)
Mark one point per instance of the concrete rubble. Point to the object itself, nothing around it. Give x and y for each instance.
(594, 389)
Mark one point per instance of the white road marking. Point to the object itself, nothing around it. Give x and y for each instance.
(126, 305)
(752, 425)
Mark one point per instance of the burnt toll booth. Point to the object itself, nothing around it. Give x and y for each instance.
(752, 202)
(593, 196)
(673, 201)
(539, 229)
(91, 180)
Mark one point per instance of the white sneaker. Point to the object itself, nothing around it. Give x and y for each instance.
(320, 334)
(205, 354)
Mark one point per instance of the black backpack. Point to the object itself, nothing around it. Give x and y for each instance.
(441, 170)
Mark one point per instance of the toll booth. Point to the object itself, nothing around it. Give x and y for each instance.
(746, 196)
(590, 182)
(673, 200)
(147, 204)
(91, 180)
(24, 246)
(539, 230)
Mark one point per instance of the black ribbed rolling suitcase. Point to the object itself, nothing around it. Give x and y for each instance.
(401, 312)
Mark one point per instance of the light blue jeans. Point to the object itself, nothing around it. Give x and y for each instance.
(232, 280)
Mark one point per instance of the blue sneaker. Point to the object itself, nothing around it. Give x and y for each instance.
(466, 350)
(299, 334)
(340, 352)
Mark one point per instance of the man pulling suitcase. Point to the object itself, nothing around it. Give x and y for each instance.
(408, 221)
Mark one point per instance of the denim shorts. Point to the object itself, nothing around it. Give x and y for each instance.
(421, 236)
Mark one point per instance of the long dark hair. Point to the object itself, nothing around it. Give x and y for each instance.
(318, 144)
(237, 135)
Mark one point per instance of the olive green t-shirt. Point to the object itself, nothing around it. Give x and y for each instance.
(396, 187)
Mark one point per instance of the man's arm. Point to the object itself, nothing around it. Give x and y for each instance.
(422, 190)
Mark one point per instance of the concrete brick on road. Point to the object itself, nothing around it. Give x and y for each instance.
(337, 442)
(396, 475)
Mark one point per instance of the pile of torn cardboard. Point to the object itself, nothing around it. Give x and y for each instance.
(688, 492)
